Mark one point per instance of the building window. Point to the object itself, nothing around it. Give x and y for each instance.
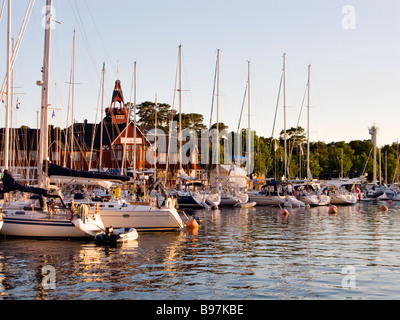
(55, 156)
(76, 156)
(33, 155)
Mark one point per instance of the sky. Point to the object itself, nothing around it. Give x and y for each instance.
(353, 48)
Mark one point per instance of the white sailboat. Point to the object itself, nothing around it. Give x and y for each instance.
(310, 191)
(271, 194)
(51, 218)
(339, 195)
(54, 222)
(117, 212)
(194, 195)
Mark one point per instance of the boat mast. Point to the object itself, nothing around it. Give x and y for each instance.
(102, 117)
(309, 177)
(284, 115)
(248, 118)
(180, 107)
(126, 129)
(134, 123)
(72, 103)
(217, 171)
(44, 136)
(8, 105)
(155, 139)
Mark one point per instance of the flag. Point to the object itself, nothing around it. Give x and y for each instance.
(276, 146)
(53, 114)
(2, 98)
(18, 103)
(301, 149)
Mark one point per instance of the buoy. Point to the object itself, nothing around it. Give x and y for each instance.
(284, 212)
(333, 209)
(192, 224)
(384, 208)
(390, 201)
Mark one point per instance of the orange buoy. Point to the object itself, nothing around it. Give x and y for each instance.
(284, 212)
(384, 208)
(333, 209)
(192, 224)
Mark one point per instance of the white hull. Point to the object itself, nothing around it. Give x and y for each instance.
(232, 200)
(315, 200)
(293, 201)
(343, 199)
(228, 201)
(396, 197)
(36, 225)
(142, 217)
(142, 220)
(213, 200)
(267, 200)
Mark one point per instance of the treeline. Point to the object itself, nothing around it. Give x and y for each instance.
(335, 159)
(327, 160)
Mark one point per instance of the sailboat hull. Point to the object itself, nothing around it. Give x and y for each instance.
(142, 218)
(266, 200)
(41, 228)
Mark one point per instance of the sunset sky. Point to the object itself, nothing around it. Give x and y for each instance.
(353, 48)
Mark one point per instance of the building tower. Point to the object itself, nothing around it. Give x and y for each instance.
(373, 131)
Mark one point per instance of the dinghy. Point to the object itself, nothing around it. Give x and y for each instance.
(113, 237)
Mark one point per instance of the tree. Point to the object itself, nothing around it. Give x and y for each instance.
(221, 126)
(191, 121)
(146, 112)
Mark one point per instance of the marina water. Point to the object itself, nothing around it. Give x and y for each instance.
(236, 254)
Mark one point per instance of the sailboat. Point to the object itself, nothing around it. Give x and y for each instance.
(194, 194)
(234, 184)
(50, 217)
(45, 215)
(310, 191)
(143, 214)
(270, 194)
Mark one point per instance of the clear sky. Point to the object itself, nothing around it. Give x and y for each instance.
(354, 56)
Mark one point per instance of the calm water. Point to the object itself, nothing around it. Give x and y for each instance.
(237, 254)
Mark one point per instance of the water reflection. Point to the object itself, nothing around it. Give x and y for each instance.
(252, 253)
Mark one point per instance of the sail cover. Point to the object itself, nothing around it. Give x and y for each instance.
(55, 170)
(9, 184)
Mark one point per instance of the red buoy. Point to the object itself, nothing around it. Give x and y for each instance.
(333, 209)
(284, 212)
(384, 208)
(192, 224)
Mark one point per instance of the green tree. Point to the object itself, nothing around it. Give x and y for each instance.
(146, 112)
(191, 121)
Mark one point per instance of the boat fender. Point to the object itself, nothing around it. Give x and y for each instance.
(83, 211)
(169, 203)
